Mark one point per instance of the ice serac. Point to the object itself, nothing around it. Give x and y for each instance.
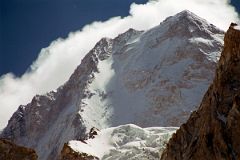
(212, 132)
(128, 142)
(160, 74)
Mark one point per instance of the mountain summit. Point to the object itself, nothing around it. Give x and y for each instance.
(151, 78)
(212, 132)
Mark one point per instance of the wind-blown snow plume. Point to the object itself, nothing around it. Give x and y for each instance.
(56, 62)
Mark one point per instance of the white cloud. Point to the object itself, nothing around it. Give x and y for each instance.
(56, 62)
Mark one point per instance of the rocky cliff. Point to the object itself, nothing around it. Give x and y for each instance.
(10, 151)
(212, 132)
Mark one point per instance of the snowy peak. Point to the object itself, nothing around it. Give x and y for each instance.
(188, 24)
(161, 74)
(124, 37)
(188, 15)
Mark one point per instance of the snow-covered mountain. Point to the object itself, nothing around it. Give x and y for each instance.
(148, 78)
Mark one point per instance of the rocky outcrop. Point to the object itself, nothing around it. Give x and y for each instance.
(212, 132)
(68, 153)
(10, 151)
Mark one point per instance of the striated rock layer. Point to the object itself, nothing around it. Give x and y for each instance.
(10, 151)
(212, 132)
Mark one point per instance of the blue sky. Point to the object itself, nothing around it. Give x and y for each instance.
(236, 3)
(26, 26)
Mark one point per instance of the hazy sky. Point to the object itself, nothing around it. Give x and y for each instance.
(29, 26)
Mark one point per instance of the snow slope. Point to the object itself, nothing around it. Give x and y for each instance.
(161, 73)
(128, 142)
(151, 78)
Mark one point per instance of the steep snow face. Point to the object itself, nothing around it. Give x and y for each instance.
(125, 142)
(160, 74)
(151, 78)
(97, 109)
(163, 73)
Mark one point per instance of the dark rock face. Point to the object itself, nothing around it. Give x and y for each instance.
(10, 151)
(212, 132)
(68, 153)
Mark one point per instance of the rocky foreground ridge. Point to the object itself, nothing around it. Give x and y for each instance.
(212, 132)
(68, 153)
(10, 151)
